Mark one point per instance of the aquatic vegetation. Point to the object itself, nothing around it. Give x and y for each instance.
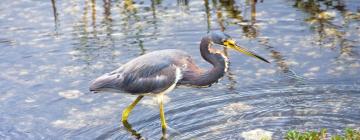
(350, 134)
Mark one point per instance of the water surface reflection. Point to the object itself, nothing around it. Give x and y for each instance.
(51, 50)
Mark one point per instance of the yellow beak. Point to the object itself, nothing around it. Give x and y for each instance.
(232, 45)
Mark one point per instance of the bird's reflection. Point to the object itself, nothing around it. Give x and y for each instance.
(137, 135)
(133, 132)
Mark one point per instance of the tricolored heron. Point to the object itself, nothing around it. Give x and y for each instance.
(159, 72)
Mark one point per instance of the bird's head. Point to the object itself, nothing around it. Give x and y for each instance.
(226, 41)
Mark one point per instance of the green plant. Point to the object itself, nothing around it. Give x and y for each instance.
(309, 135)
(350, 134)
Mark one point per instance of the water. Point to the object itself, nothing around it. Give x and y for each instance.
(51, 50)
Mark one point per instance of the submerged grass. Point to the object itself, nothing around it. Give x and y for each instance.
(350, 134)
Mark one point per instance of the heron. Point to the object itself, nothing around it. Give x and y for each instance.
(159, 72)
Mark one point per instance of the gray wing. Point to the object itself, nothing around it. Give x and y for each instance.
(148, 79)
(151, 73)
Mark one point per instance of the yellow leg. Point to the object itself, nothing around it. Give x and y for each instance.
(127, 110)
(162, 114)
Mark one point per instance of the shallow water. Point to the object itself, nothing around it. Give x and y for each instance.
(51, 50)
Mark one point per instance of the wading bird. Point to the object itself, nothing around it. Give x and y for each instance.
(159, 72)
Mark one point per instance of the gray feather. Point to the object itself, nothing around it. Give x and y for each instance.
(150, 73)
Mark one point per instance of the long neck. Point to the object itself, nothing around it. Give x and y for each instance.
(208, 77)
